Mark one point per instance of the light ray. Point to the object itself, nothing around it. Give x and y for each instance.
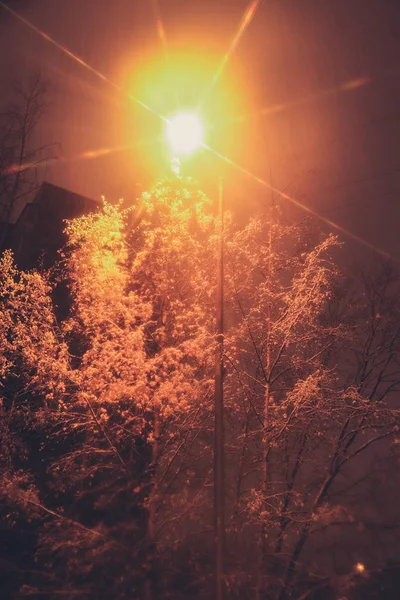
(159, 25)
(244, 23)
(89, 154)
(76, 58)
(163, 39)
(347, 86)
(86, 155)
(302, 206)
(247, 17)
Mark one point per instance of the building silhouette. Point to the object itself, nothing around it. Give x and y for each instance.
(38, 234)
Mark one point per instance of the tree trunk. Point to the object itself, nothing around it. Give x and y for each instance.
(284, 520)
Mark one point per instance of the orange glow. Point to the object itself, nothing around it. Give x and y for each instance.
(173, 87)
(356, 83)
(348, 86)
(246, 20)
(159, 24)
(179, 82)
(97, 153)
(86, 155)
(76, 58)
(299, 204)
(359, 567)
(186, 77)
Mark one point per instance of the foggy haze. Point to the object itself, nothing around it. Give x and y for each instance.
(321, 78)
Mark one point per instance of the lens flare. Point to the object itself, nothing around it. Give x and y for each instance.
(359, 567)
(347, 86)
(77, 59)
(184, 133)
(244, 23)
(299, 204)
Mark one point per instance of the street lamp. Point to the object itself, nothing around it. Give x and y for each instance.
(185, 135)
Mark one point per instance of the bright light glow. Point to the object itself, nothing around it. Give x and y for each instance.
(175, 85)
(359, 567)
(185, 133)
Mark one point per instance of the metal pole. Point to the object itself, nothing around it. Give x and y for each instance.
(219, 521)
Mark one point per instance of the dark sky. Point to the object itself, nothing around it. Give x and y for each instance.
(317, 85)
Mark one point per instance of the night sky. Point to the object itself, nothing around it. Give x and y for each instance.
(319, 117)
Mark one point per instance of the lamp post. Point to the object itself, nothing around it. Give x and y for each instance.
(185, 135)
(219, 500)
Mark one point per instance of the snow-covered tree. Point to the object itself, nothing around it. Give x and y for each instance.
(108, 413)
(120, 388)
(306, 412)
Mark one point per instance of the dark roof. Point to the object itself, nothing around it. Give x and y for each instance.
(63, 201)
(38, 233)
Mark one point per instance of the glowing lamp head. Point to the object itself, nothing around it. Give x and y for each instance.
(185, 133)
(359, 567)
